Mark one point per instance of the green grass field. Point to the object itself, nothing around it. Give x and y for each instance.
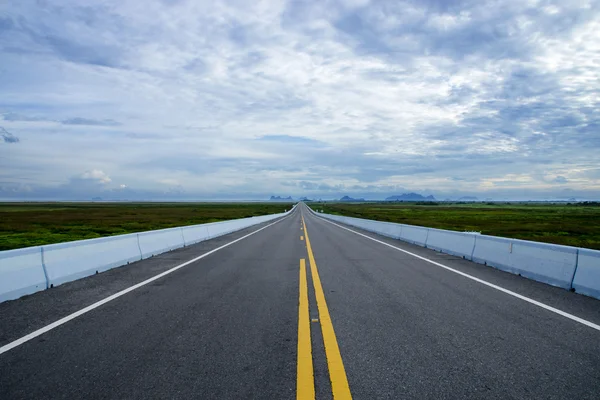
(568, 224)
(33, 224)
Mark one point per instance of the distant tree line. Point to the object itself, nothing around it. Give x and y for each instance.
(588, 203)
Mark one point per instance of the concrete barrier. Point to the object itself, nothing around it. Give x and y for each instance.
(69, 261)
(337, 218)
(156, 242)
(379, 227)
(449, 242)
(194, 234)
(493, 251)
(26, 271)
(552, 264)
(390, 229)
(21, 273)
(366, 224)
(198, 233)
(548, 263)
(217, 229)
(587, 276)
(246, 222)
(351, 221)
(414, 234)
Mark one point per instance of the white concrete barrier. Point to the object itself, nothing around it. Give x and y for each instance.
(246, 222)
(543, 262)
(352, 221)
(587, 276)
(217, 229)
(156, 242)
(551, 264)
(414, 234)
(378, 227)
(194, 234)
(390, 229)
(366, 224)
(493, 251)
(449, 242)
(69, 261)
(21, 273)
(197, 233)
(26, 271)
(337, 218)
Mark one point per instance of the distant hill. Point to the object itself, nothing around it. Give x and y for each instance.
(348, 199)
(279, 198)
(305, 199)
(410, 197)
(468, 198)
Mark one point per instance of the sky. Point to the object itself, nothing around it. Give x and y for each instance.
(185, 100)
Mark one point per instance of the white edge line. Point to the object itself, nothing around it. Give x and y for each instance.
(89, 308)
(509, 292)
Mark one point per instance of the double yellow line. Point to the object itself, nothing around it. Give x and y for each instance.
(305, 374)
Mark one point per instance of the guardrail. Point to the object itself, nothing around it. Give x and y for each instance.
(567, 267)
(32, 269)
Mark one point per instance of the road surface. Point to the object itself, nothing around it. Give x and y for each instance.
(301, 310)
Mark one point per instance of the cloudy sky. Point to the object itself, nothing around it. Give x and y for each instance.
(178, 99)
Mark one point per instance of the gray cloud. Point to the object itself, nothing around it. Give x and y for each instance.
(7, 136)
(11, 116)
(90, 122)
(15, 117)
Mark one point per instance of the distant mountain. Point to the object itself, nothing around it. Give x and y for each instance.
(348, 199)
(468, 198)
(305, 199)
(279, 198)
(410, 197)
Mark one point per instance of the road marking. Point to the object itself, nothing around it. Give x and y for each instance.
(305, 386)
(337, 373)
(301, 237)
(486, 283)
(89, 308)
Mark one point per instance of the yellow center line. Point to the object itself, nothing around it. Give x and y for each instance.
(305, 380)
(301, 237)
(337, 372)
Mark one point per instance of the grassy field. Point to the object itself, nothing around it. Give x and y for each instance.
(568, 224)
(33, 224)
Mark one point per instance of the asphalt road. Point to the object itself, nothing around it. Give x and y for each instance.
(366, 321)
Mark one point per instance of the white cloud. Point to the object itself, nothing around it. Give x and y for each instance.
(96, 175)
(169, 182)
(445, 22)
